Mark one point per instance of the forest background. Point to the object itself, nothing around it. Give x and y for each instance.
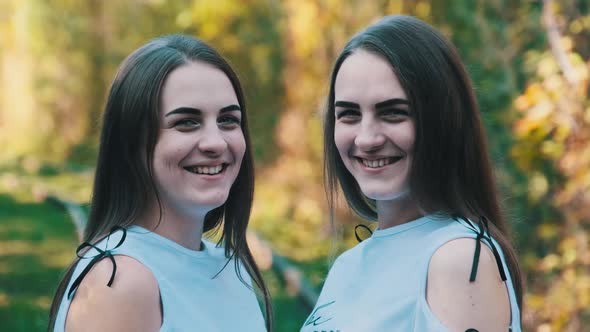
(529, 61)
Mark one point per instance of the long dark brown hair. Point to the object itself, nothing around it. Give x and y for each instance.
(451, 171)
(123, 189)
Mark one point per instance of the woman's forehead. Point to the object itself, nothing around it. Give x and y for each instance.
(197, 84)
(366, 75)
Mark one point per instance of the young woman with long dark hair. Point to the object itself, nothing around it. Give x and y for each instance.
(405, 143)
(174, 162)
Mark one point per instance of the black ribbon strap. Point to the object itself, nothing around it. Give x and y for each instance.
(358, 238)
(496, 253)
(481, 236)
(481, 231)
(101, 254)
(475, 265)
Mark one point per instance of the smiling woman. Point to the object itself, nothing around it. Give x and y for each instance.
(404, 141)
(174, 162)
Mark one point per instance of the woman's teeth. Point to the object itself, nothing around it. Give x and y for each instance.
(378, 162)
(211, 170)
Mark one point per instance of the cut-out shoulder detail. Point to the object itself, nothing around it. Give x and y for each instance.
(459, 304)
(132, 303)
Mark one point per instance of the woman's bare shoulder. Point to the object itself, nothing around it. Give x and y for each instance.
(131, 303)
(459, 304)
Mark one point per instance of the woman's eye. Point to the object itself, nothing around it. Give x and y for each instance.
(229, 121)
(395, 114)
(186, 124)
(348, 115)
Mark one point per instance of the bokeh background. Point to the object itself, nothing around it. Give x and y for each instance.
(529, 61)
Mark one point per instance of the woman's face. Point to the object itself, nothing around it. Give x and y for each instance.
(374, 128)
(200, 144)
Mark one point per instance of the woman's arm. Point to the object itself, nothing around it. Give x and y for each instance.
(132, 303)
(482, 305)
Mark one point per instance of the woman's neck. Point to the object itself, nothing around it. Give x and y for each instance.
(398, 211)
(183, 228)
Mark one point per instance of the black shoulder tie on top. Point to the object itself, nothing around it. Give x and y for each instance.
(358, 238)
(481, 236)
(101, 254)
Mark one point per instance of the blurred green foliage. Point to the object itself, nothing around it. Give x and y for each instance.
(35, 246)
(528, 61)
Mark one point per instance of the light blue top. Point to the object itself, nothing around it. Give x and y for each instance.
(192, 299)
(380, 284)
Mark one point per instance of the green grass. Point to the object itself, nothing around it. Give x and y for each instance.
(289, 311)
(36, 243)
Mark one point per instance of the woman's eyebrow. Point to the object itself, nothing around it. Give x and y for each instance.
(185, 110)
(230, 108)
(391, 102)
(196, 111)
(347, 104)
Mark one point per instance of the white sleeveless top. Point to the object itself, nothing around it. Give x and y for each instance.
(380, 284)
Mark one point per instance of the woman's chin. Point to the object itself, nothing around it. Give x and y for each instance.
(386, 195)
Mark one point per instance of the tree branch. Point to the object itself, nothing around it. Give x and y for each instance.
(554, 38)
